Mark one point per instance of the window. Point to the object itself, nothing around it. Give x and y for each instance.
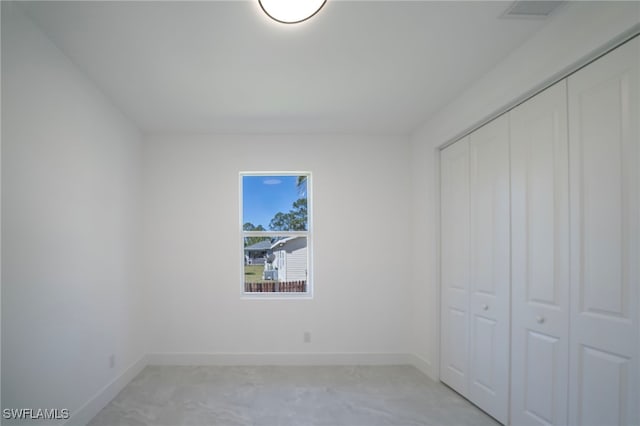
(275, 222)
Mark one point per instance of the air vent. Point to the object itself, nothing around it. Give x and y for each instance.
(536, 9)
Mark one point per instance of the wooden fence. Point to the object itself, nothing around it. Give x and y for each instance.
(276, 287)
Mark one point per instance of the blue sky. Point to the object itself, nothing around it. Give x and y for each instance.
(264, 196)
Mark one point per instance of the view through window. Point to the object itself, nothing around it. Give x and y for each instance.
(276, 234)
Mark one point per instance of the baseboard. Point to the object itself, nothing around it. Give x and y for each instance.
(272, 358)
(424, 365)
(88, 411)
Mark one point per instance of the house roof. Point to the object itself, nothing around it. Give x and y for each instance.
(284, 241)
(260, 246)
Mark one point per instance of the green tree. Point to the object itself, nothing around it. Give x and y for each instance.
(248, 226)
(301, 184)
(294, 220)
(299, 215)
(249, 241)
(280, 222)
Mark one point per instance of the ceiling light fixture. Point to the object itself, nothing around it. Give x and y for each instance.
(291, 11)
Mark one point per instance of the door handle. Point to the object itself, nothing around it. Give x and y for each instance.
(539, 319)
(485, 307)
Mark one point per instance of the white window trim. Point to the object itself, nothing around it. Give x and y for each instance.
(308, 234)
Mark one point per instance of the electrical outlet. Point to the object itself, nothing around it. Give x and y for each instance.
(307, 337)
(112, 361)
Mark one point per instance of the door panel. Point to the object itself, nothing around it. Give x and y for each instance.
(604, 128)
(489, 267)
(602, 387)
(457, 341)
(540, 382)
(540, 259)
(454, 356)
(483, 364)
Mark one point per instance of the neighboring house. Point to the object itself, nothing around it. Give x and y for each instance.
(256, 254)
(289, 259)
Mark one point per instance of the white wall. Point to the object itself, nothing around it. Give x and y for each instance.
(70, 165)
(361, 253)
(70, 189)
(577, 31)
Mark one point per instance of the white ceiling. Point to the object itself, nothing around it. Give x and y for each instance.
(357, 67)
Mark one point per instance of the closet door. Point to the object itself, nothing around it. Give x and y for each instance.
(489, 268)
(454, 311)
(540, 259)
(603, 139)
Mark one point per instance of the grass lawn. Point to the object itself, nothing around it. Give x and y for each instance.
(253, 273)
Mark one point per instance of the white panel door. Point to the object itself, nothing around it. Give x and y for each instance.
(604, 119)
(454, 311)
(540, 259)
(489, 268)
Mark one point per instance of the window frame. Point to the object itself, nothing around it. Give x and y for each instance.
(308, 234)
